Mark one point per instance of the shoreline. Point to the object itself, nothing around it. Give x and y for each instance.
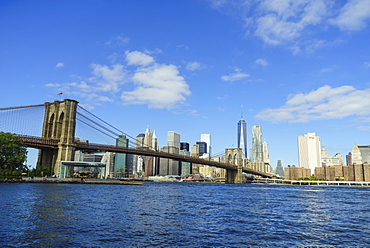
(140, 182)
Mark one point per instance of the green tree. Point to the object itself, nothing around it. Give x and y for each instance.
(13, 152)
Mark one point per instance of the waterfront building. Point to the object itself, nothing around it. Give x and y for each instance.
(120, 160)
(169, 166)
(257, 147)
(242, 136)
(207, 139)
(109, 160)
(173, 139)
(185, 166)
(265, 152)
(309, 153)
(356, 155)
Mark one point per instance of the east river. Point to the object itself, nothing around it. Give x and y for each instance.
(183, 215)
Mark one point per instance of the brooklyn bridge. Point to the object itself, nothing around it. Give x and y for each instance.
(63, 121)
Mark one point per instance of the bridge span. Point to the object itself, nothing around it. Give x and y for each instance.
(58, 143)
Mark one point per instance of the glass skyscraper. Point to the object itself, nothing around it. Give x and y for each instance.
(242, 136)
(257, 146)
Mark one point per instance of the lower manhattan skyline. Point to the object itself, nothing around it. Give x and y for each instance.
(296, 68)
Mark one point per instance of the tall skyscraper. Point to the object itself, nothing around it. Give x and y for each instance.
(266, 154)
(309, 151)
(202, 147)
(279, 169)
(257, 147)
(173, 139)
(207, 139)
(356, 155)
(120, 162)
(184, 146)
(242, 136)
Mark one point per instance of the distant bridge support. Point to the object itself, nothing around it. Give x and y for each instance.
(234, 156)
(59, 123)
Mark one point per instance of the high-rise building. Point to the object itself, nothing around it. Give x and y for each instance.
(173, 139)
(139, 140)
(154, 142)
(184, 146)
(202, 147)
(147, 142)
(365, 153)
(309, 152)
(266, 154)
(207, 139)
(120, 159)
(279, 169)
(257, 147)
(356, 155)
(242, 136)
(327, 160)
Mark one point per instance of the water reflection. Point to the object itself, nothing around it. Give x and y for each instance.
(188, 215)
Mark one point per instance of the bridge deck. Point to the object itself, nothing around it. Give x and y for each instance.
(37, 142)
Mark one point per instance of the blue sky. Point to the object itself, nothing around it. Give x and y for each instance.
(294, 66)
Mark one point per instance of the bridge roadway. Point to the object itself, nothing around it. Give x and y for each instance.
(49, 143)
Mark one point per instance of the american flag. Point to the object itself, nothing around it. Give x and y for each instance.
(60, 94)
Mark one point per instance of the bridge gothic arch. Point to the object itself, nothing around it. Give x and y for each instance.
(60, 123)
(234, 156)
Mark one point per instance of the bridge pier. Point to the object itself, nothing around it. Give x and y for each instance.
(234, 156)
(59, 123)
(234, 176)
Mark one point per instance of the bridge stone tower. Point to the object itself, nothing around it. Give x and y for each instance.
(59, 123)
(234, 156)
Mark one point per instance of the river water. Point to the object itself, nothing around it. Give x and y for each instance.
(183, 215)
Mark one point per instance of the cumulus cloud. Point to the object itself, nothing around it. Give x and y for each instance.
(261, 62)
(108, 78)
(297, 24)
(60, 64)
(138, 58)
(158, 86)
(321, 104)
(151, 83)
(353, 15)
(236, 76)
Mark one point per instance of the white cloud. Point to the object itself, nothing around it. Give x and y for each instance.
(261, 62)
(108, 79)
(298, 25)
(321, 104)
(159, 86)
(138, 58)
(284, 20)
(236, 76)
(192, 66)
(60, 64)
(353, 15)
(154, 84)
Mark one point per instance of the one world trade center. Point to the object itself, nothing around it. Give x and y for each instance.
(242, 136)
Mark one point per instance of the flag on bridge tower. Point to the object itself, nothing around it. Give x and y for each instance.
(60, 94)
